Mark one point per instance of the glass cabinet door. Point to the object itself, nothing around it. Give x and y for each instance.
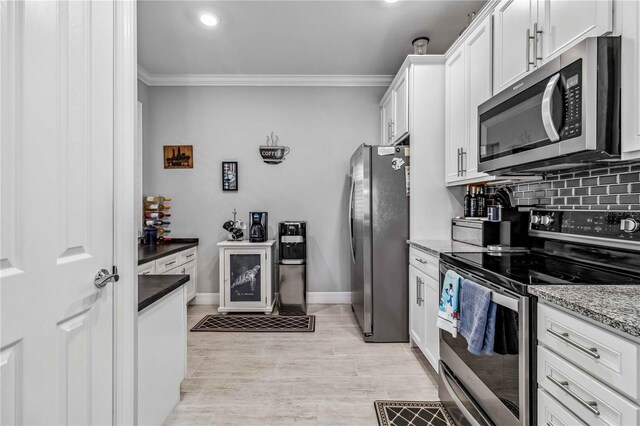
(246, 277)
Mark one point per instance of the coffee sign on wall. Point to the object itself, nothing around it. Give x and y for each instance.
(272, 153)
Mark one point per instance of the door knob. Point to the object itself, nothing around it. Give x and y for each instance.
(103, 277)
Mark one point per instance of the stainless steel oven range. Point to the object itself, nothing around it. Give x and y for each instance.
(568, 247)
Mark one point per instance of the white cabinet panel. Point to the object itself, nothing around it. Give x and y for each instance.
(455, 114)
(416, 307)
(400, 121)
(432, 335)
(478, 78)
(166, 263)
(386, 114)
(148, 268)
(551, 412)
(512, 18)
(630, 110)
(563, 23)
(189, 268)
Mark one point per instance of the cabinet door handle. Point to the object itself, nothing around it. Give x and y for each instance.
(528, 48)
(146, 273)
(458, 162)
(421, 260)
(393, 129)
(417, 290)
(170, 263)
(592, 352)
(564, 385)
(190, 255)
(463, 169)
(536, 33)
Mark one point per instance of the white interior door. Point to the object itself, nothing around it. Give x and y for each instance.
(56, 350)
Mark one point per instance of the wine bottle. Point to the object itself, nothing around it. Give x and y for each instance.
(156, 206)
(156, 215)
(474, 203)
(156, 222)
(467, 203)
(156, 199)
(162, 231)
(482, 202)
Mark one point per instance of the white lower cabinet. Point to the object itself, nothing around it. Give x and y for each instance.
(423, 306)
(183, 262)
(580, 372)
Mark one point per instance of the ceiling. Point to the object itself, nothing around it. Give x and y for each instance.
(293, 37)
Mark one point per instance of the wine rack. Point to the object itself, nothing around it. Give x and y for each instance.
(156, 214)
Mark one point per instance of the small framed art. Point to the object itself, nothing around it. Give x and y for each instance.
(229, 175)
(178, 156)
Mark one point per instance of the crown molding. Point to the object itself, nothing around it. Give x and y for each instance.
(263, 80)
(144, 76)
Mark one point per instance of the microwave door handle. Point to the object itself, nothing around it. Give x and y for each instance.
(547, 118)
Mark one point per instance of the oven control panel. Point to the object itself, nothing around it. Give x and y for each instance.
(611, 224)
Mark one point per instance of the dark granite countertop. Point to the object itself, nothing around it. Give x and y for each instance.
(617, 306)
(435, 247)
(152, 288)
(149, 253)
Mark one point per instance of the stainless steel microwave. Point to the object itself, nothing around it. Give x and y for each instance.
(562, 115)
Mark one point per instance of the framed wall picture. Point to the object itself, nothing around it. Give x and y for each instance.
(178, 156)
(229, 175)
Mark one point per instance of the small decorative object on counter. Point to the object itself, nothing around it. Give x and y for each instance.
(474, 203)
(272, 153)
(155, 207)
(229, 175)
(420, 45)
(235, 228)
(467, 202)
(482, 202)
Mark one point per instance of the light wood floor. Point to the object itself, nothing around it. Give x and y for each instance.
(329, 377)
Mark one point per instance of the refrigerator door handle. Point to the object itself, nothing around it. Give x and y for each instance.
(353, 254)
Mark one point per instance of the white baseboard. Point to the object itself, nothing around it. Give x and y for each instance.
(207, 299)
(327, 297)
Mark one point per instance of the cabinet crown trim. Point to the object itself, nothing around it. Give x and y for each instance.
(262, 80)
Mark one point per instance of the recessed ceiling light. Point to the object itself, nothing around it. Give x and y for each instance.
(390, 1)
(209, 19)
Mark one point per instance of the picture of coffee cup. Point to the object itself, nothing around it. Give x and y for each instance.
(273, 154)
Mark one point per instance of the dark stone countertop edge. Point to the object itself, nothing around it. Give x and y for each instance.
(152, 288)
(629, 330)
(163, 250)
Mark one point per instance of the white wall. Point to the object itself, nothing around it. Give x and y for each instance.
(322, 126)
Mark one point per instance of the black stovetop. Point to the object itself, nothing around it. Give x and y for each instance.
(527, 268)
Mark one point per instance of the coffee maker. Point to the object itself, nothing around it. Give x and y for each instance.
(259, 228)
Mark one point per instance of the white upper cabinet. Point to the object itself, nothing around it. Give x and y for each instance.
(528, 33)
(400, 121)
(630, 96)
(454, 115)
(562, 23)
(386, 114)
(394, 111)
(511, 45)
(478, 77)
(468, 84)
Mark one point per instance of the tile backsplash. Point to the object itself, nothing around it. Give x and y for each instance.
(613, 188)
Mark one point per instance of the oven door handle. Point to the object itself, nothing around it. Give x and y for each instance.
(456, 400)
(497, 296)
(547, 109)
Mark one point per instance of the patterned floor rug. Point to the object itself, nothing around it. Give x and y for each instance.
(253, 323)
(412, 413)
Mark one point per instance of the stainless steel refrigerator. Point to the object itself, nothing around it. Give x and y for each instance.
(379, 227)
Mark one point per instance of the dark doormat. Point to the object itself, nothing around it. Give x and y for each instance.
(412, 413)
(266, 323)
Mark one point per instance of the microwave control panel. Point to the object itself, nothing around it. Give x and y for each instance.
(571, 82)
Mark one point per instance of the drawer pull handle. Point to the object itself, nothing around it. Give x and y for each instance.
(564, 385)
(421, 260)
(191, 255)
(170, 263)
(593, 352)
(550, 424)
(146, 273)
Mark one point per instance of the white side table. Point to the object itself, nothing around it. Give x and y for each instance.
(247, 276)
